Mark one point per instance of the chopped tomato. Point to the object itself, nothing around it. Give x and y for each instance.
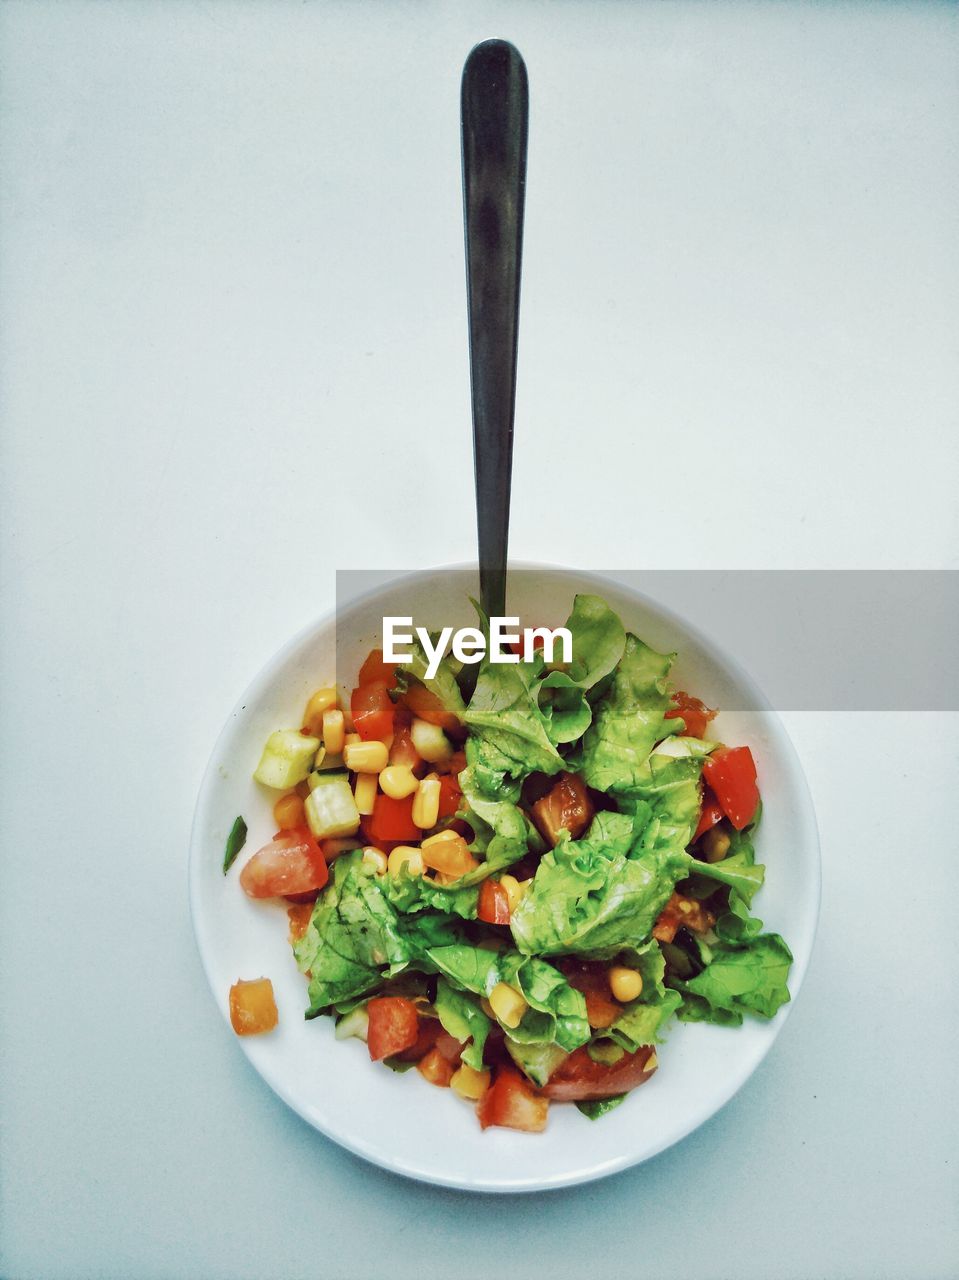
(493, 905)
(450, 795)
(601, 1010)
(291, 863)
(393, 1026)
(372, 710)
(566, 805)
(695, 714)
(427, 706)
(374, 670)
(731, 773)
(448, 853)
(391, 820)
(436, 1069)
(252, 1007)
(429, 1030)
(299, 917)
(454, 765)
(512, 1103)
(591, 979)
(710, 814)
(579, 1078)
(679, 911)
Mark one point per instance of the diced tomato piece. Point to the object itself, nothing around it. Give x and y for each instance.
(291, 863)
(731, 773)
(429, 1031)
(393, 1027)
(448, 853)
(454, 765)
(566, 805)
(427, 706)
(710, 814)
(601, 1010)
(402, 751)
(374, 670)
(579, 1078)
(391, 820)
(512, 1103)
(252, 1007)
(299, 917)
(372, 710)
(679, 911)
(436, 1069)
(450, 795)
(590, 977)
(450, 1047)
(695, 714)
(493, 905)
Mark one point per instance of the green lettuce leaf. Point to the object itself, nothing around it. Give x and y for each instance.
(538, 1060)
(628, 720)
(557, 1012)
(352, 939)
(593, 1108)
(743, 979)
(599, 639)
(593, 896)
(508, 731)
(463, 1019)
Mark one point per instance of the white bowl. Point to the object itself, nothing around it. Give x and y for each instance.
(400, 1121)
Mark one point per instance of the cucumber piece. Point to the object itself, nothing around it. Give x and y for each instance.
(681, 747)
(355, 1023)
(330, 807)
(286, 759)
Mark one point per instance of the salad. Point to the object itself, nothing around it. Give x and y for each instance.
(512, 877)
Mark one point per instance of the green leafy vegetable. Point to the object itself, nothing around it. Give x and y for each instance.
(464, 1019)
(598, 643)
(510, 739)
(738, 980)
(596, 1107)
(628, 720)
(234, 843)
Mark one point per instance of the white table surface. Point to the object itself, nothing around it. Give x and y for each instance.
(234, 361)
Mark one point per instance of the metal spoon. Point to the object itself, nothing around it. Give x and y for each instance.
(495, 121)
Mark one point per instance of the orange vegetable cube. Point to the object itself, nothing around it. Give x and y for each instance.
(252, 1006)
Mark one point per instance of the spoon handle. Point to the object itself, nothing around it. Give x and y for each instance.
(495, 120)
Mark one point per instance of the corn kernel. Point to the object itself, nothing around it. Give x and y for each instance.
(365, 757)
(715, 845)
(469, 1083)
(515, 890)
(364, 793)
(625, 984)
(426, 803)
(334, 732)
(288, 812)
(430, 741)
(321, 702)
(486, 1006)
(404, 855)
(350, 739)
(507, 1004)
(398, 782)
(651, 1063)
(375, 860)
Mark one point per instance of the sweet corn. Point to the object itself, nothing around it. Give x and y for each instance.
(350, 739)
(625, 984)
(469, 1083)
(507, 1004)
(430, 741)
(334, 731)
(375, 860)
(651, 1063)
(404, 855)
(715, 845)
(365, 757)
(364, 793)
(486, 1006)
(321, 702)
(398, 782)
(515, 890)
(426, 803)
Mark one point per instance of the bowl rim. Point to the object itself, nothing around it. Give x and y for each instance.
(396, 1164)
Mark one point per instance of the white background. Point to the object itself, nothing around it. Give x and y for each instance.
(234, 361)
